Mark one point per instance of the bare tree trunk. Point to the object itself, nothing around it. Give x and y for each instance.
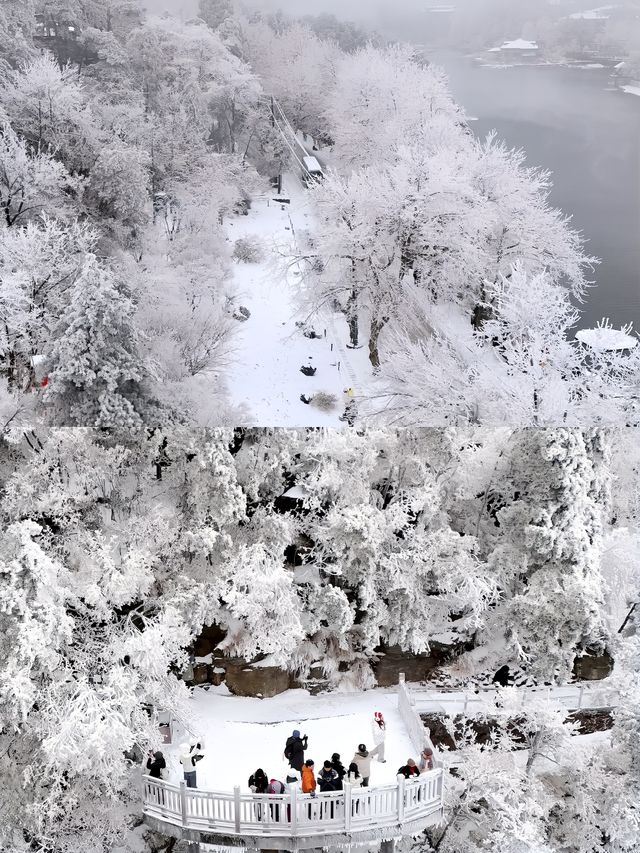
(352, 318)
(533, 751)
(377, 325)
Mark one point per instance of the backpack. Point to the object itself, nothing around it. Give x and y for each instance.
(288, 749)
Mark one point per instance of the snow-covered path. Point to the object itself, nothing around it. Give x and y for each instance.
(265, 377)
(242, 734)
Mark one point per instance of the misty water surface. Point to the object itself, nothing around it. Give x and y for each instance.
(567, 121)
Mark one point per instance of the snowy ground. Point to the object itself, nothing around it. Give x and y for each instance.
(631, 90)
(242, 734)
(265, 376)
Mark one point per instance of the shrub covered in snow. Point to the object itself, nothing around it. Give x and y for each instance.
(249, 249)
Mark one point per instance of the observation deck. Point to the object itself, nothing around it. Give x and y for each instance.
(294, 821)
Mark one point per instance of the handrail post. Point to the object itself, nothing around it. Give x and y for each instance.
(346, 787)
(236, 807)
(401, 781)
(401, 678)
(183, 802)
(293, 805)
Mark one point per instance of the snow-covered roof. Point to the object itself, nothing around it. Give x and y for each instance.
(296, 493)
(516, 44)
(312, 164)
(606, 339)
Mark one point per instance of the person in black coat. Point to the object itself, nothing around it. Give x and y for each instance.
(409, 770)
(156, 764)
(338, 766)
(294, 750)
(328, 779)
(258, 781)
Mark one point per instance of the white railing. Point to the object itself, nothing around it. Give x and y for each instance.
(294, 814)
(418, 732)
(574, 697)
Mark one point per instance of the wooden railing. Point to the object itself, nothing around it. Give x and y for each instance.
(293, 814)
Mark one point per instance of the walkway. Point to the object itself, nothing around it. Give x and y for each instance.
(294, 821)
(270, 348)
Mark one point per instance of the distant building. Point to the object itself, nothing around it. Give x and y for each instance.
(519, 50)
(49, 28)
(62, 36)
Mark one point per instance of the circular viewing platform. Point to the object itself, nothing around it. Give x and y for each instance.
(294, 821)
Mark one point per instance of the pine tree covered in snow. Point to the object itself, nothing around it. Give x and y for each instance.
(95, 376)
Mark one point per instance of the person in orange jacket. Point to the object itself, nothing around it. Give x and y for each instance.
(308, 778)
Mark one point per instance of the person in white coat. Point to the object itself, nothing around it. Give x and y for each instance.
(379, 731)
(353, 776)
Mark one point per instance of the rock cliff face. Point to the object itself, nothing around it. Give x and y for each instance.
(251, 678)
(394, 660)
(593, 667)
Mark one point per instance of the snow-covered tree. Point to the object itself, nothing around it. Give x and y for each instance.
(47, 105)
(38, 266)
(523, 366)
(32, 182)
(547, 561)
(95, 375)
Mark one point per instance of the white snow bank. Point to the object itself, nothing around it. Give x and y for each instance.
(242, 734)
(631, 90)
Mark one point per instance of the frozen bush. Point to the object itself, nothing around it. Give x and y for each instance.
(249, 250)
(324, 401)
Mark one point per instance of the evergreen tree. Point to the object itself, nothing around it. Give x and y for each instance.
(95, 376)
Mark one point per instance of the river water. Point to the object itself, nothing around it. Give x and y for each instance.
(572, 122)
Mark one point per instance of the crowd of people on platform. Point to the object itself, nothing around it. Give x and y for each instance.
(302, 772)
(333, 775)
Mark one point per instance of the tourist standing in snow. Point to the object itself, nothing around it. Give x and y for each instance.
(338, 766)
(379, 731)
(258, 782)
(362, 759)
(189, 757)
(156, 764)
(353, 776)
(275, 787)
(292, 780)
(294, 750)
(426, 760)
(409, 770)
(308, 778)
(328, 779)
